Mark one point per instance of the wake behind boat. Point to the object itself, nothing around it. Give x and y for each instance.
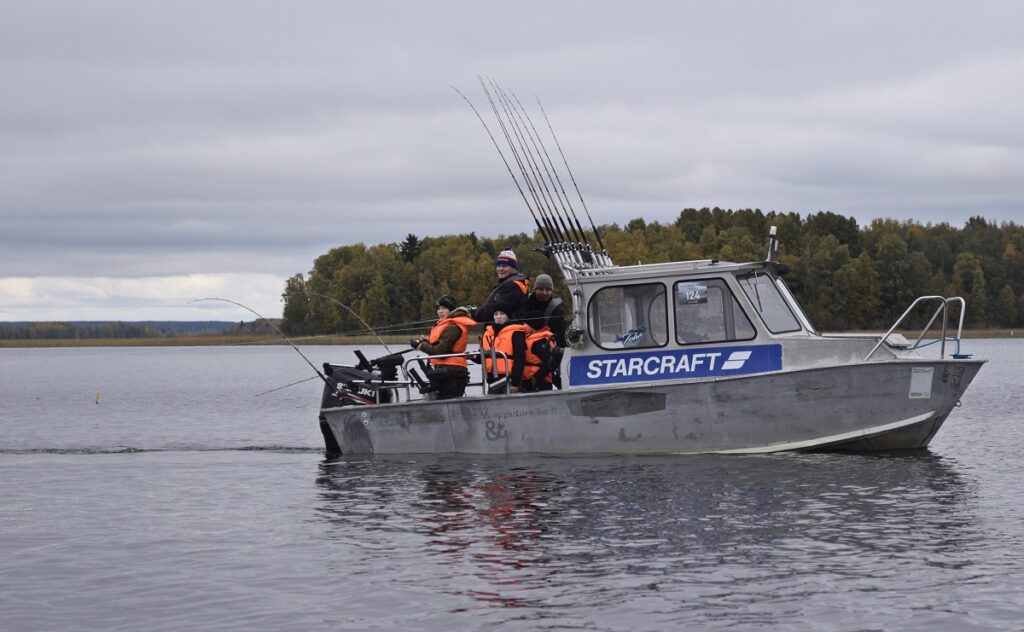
(684, 357)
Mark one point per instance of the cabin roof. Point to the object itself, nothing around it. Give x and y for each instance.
(672, 268)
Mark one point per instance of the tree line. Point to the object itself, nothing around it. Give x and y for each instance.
(846, 276)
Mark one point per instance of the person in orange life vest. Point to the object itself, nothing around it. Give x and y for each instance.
(548, 311)
(510, 339)
(509, 293)
(448, 376)
(537, 364)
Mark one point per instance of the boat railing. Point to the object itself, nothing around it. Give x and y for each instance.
(480, 357)
(943, 310)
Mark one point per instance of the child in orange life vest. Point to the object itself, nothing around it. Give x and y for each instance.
(504, 373)
(537, 364)
(448, 376)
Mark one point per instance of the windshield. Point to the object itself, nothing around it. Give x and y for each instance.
(769, 303)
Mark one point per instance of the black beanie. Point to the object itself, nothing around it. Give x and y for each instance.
(447, 300)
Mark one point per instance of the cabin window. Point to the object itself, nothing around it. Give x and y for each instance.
(707, 311)
(768, 301)
(629, 316)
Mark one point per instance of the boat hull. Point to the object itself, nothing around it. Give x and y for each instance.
(895, 405)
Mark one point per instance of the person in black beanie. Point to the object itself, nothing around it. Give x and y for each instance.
(448, 376)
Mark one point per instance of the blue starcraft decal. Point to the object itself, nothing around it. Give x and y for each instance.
(673, 364)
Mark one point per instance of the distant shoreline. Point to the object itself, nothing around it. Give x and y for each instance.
(228, 341)
(198, 341)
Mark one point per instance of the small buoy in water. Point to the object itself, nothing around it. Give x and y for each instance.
(97, 398)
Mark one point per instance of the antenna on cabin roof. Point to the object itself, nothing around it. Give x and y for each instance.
(773, 242)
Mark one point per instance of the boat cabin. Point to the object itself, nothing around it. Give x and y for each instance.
(678, 320)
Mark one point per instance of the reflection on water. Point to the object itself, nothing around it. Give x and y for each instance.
(695, 535)
(494, 520)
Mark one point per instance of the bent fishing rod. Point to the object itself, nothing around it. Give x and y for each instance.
(351, 311)
(397, 328)
(323, 377)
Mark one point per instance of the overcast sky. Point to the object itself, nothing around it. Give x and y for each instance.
(156, 152)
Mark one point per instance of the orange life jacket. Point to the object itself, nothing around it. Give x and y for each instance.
(501, 342)
(463, 323)
(533, 361)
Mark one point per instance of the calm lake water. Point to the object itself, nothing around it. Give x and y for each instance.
(180, 501)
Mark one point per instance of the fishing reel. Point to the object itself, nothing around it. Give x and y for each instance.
(575, 337)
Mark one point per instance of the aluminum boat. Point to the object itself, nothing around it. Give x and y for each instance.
(678, 358)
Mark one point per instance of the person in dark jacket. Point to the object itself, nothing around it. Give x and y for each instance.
(545, 310)
(509, 293)
(544, 304)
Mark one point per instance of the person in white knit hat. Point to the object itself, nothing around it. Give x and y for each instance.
(509, 293)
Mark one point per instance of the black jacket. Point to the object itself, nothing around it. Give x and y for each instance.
(554, 316)
(506, 297)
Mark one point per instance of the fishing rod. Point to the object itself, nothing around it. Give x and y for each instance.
(351, 311)
(387, 329)
(521, 135)
(285, 386)
(411, 325)
(530, 159)
(573, 178)
(507, 166)
(563, 248)
(558, 243)
(552, 227)
(546, 214)
(569, 233)
(570, 212)
(275, 328)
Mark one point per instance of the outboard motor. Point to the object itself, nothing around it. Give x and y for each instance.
(362, 384)
(359, 385)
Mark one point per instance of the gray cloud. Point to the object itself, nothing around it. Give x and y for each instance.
(151, 140)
